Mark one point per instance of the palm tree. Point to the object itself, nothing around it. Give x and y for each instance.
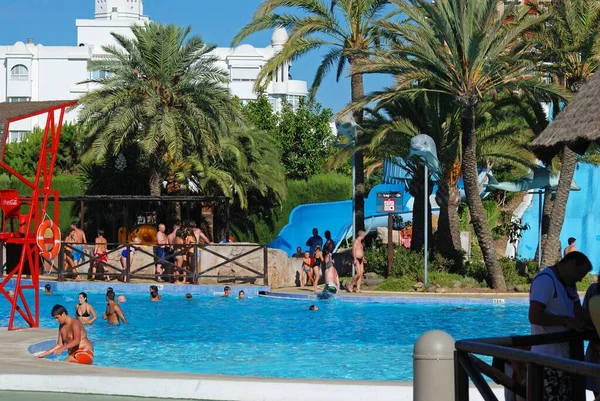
(467, 50)
(163, 91)
(345, 28)
(569, 52)
(501, 140)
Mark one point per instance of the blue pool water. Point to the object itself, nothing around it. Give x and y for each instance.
(279, 338)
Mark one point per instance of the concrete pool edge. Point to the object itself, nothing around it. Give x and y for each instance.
(20, 371)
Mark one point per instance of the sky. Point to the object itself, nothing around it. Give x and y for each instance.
(52, 22)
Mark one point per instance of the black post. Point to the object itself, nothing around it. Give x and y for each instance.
(535, 382)
(265, 262)
(227, 221)
(197, 264)
(461, 380)
(61, 263)
(577, 381)
(1, 259)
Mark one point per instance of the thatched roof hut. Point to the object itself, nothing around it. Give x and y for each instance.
(19, 109)
(576, 126)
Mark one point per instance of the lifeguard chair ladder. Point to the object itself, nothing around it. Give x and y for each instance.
(29, 212)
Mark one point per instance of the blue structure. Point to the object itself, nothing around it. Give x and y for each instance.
(582, 218)
(337, 216)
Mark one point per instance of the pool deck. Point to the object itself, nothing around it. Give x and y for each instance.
(21, 371)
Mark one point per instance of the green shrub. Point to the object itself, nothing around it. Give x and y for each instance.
(328, 187)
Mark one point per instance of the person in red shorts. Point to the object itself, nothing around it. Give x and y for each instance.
(71, 337)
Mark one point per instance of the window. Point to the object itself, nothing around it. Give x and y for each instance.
(98, 74)
(16, 136)
(294, 101)
(19, 73)
(18, 99)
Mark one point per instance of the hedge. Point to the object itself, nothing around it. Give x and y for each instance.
(326, 187)
(67, 185)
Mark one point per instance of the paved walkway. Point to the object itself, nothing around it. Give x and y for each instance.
(44, 396)
(390, 294)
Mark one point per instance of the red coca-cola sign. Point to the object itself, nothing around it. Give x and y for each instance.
(9, 201)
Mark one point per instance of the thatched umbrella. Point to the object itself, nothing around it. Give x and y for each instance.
(19, 109)
(576, 126)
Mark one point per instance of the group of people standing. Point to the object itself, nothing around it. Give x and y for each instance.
(177, 253)
(320, 256)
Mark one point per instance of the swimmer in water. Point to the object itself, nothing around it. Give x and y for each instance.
(114, 313)
(121, 299)
(84, 311)
(71, 337)
(313, 307)
(154, 295)
(241, 294)
(48, 290)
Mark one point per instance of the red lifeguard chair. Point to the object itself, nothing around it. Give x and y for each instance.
(22, 215)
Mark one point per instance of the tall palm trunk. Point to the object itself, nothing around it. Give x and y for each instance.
(552, 248)
(546, 212)
(448, 233)
(417, 190)
(155, 180)
(471, 182)
(358, 91)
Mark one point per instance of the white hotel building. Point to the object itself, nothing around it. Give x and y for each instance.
(34, 72)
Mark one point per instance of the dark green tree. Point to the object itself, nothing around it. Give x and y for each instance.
(304, 138)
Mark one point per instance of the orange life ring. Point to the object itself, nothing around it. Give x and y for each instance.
(40, 239)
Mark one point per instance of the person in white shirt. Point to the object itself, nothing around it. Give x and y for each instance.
(554, 306)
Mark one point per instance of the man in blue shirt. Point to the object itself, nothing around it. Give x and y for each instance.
(313, 241)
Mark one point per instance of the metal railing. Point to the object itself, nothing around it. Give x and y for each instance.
(468, 366)
(101, 267)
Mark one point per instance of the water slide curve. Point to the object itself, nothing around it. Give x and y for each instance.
(582, 218)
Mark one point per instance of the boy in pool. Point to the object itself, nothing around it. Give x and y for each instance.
(72, 337)
(226, 291)
(48, 290)
(154, 295)
(114, 313)
(241, 294)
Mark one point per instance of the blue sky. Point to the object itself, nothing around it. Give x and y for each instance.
(52, 22)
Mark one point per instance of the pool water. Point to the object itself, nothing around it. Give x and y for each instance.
(279, 338)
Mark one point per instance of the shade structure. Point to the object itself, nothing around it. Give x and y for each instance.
(11, 110)
(576, 126)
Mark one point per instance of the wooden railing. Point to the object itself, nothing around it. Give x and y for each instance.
(468, 366)
(122, 268)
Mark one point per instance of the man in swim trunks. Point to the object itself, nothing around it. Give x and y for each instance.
(358, 252)
(77, 238)
(48, 289)
(114, 313)
(160, 251)
(72, 337)
(101, 256)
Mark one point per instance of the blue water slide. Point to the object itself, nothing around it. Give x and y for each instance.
(582, 218)
(333, 216)
(337, 216)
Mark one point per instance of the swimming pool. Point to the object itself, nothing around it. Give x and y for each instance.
(280, 338)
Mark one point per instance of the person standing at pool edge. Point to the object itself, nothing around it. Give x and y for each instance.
(554, 307)
(313, 241)
(571, 248)
(71, 337)
(358, 253)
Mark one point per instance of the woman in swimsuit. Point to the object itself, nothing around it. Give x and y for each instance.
(190, 260)
(306, 273)
(179, 253)
(84, 311)
(317, 266)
